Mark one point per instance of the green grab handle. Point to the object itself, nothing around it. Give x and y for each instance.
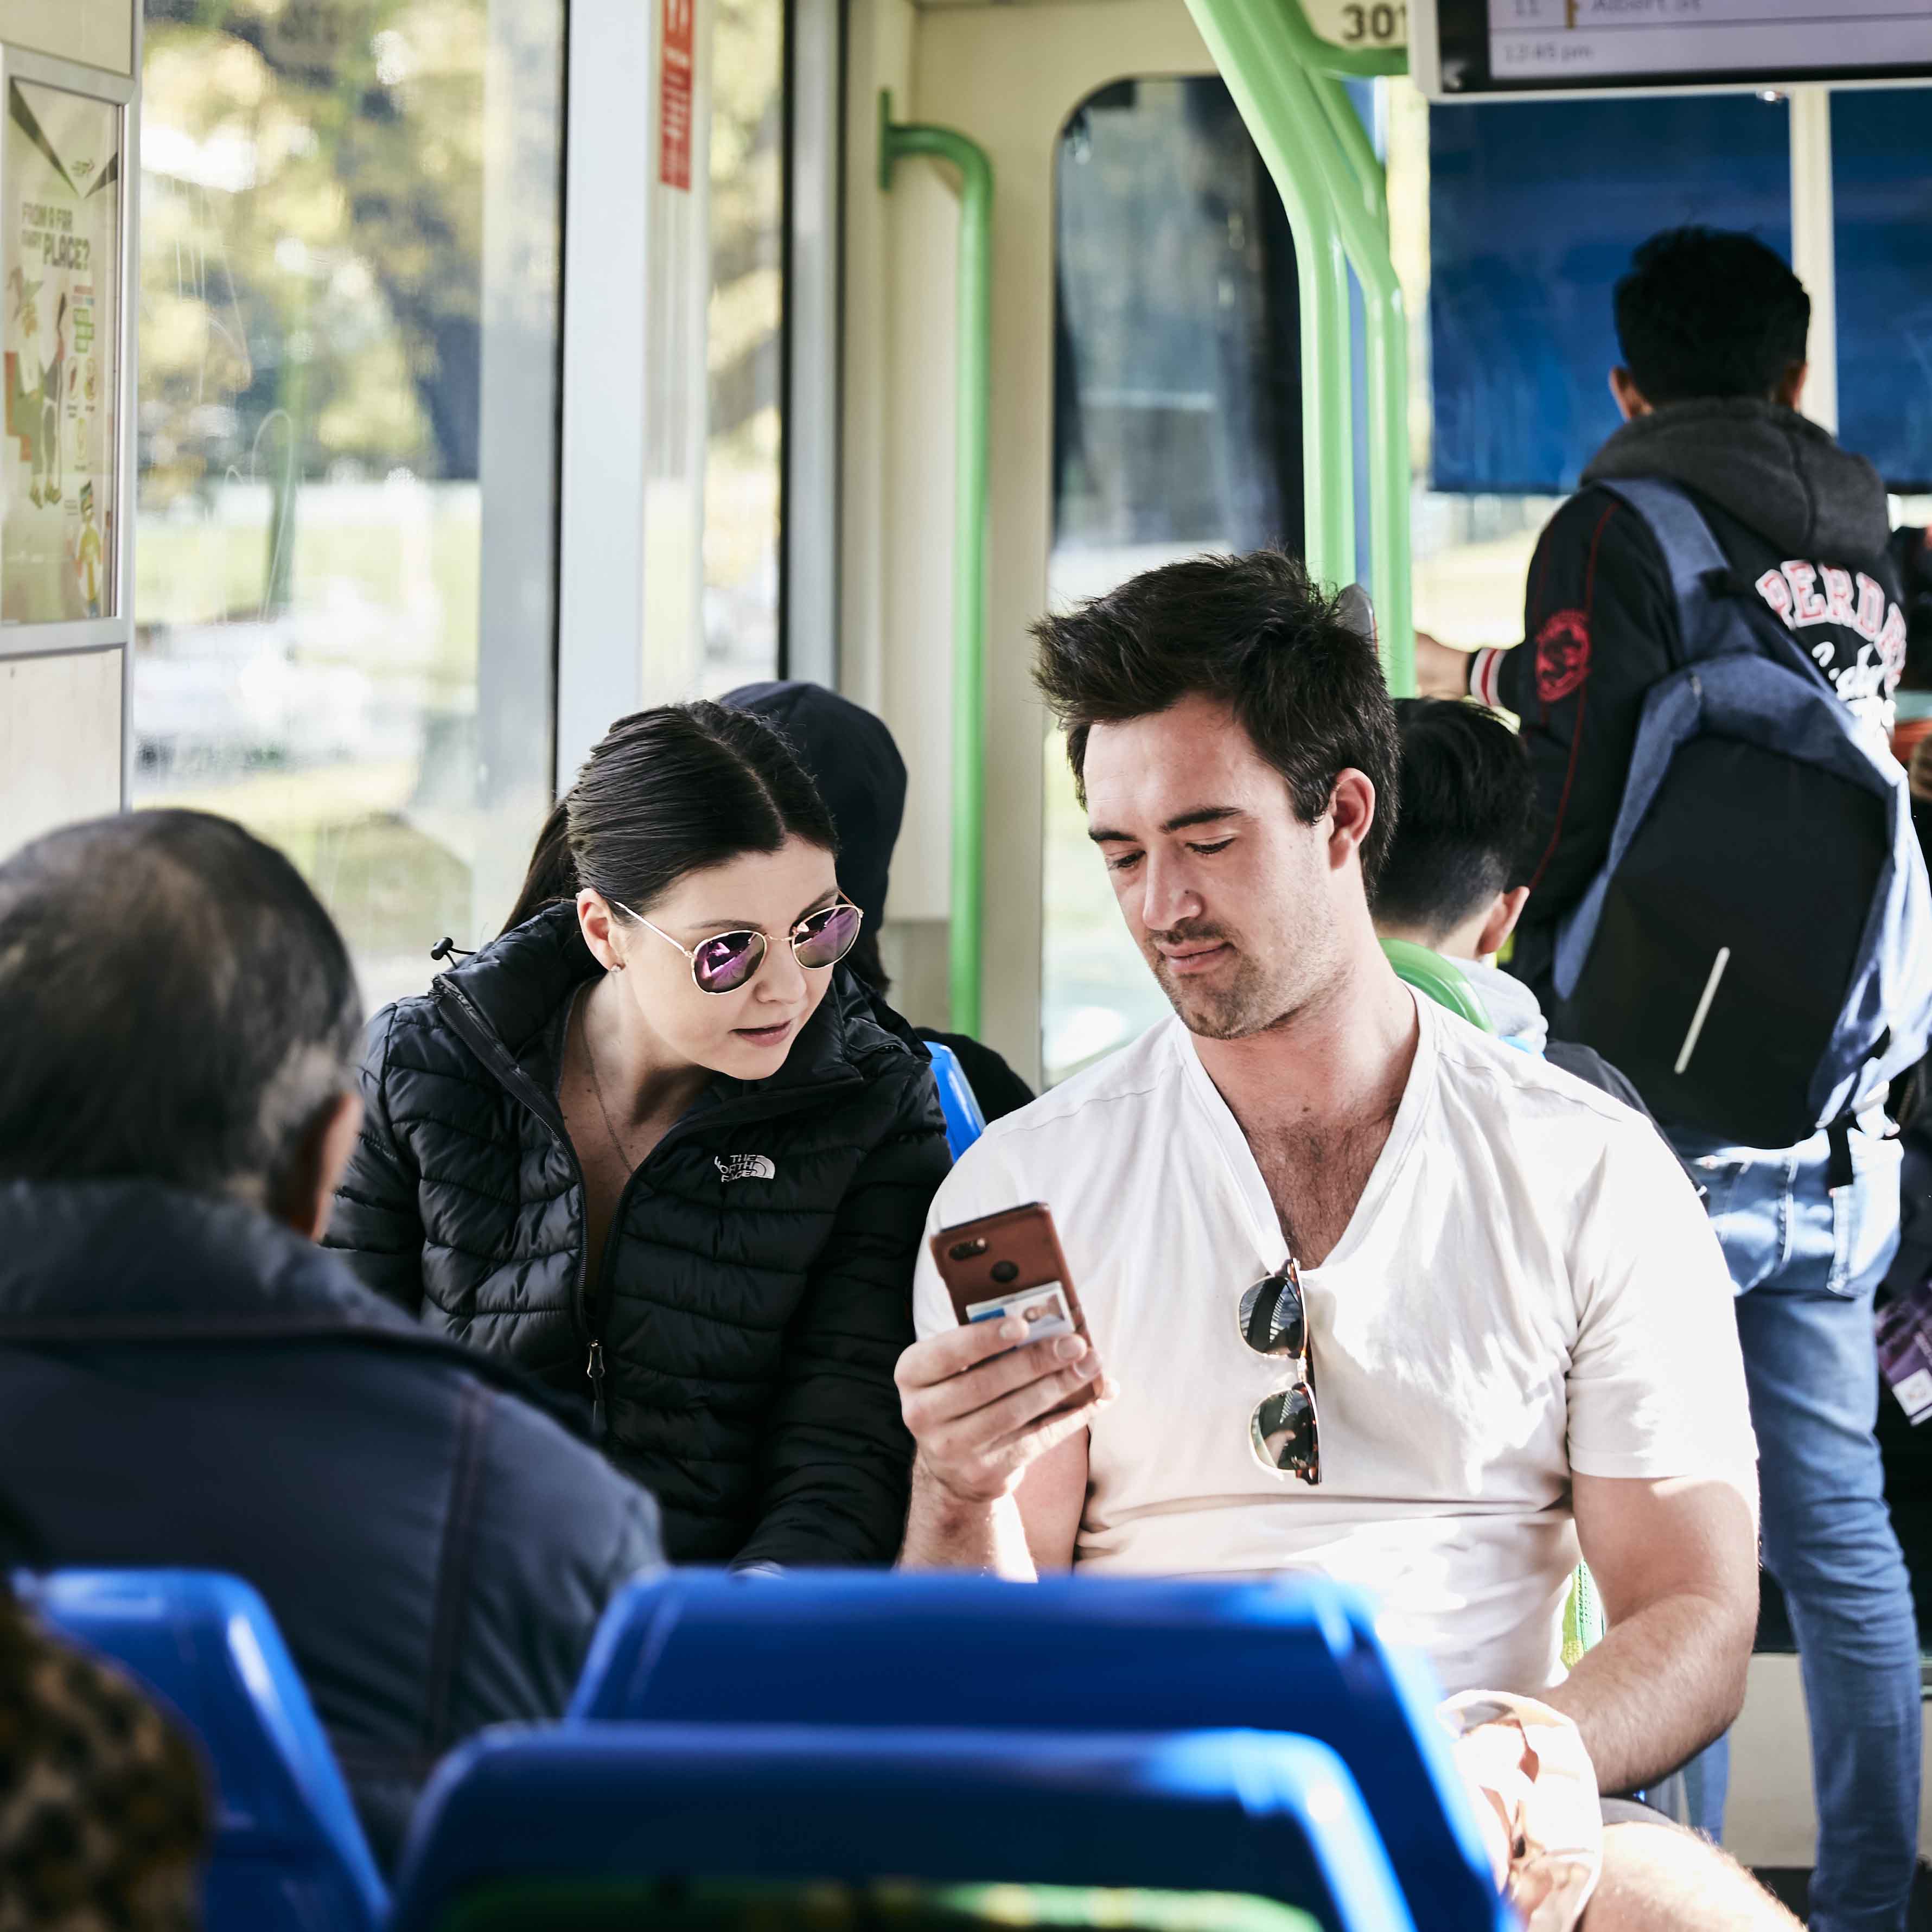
(1440, 979)
(973, 406)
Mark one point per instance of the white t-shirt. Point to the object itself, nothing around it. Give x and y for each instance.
(1528, 1286)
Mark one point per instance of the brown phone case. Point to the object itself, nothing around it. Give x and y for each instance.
(1005, 1254)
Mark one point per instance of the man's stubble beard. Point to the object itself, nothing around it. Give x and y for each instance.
(1255, 1000)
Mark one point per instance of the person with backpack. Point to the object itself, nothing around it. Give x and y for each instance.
(1730, 904)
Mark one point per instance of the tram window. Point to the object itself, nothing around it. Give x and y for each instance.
(346, 513)
(1177, 429)
(1881, 193)
(1534, 211)
(1511, 224)
(743, 448)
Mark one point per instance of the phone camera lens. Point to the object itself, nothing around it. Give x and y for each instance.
(1005, 1271)
(962, 1251)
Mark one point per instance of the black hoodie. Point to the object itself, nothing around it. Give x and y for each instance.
(857, 768)
(1803, 525)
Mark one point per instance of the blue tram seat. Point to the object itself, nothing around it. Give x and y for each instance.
(1067, 1653)
(602, 1825)
(289, 1854)
(965, 1123)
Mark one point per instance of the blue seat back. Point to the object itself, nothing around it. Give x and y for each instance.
(1068, 1654)
(965, 1123)
(289, 1852)
(1244, 1812)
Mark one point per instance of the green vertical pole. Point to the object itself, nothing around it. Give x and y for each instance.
(1260, 46)
(972, 406)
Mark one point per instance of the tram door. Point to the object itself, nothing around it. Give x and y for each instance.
(1145, 406)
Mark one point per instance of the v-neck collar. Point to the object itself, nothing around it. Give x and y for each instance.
(1231, 1144)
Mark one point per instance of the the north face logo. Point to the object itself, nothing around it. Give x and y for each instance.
(745, 1167)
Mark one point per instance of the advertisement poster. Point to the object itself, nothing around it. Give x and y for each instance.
(60, 174)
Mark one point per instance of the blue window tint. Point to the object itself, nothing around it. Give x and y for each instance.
(1882, 186)
(1534, 210)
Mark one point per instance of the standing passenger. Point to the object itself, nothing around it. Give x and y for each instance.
(1713, 330)
(650, 1144)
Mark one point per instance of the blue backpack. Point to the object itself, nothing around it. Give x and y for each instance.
(1755, 953)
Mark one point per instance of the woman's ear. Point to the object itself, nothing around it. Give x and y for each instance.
(599, 929)
(1501, 921)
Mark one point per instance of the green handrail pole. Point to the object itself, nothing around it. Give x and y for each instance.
(1364, 162)
(972, 406)
(1368, 250)
(1256, 45)
(1235, 32)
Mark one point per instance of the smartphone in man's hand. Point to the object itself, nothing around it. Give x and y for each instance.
(1011, 1264)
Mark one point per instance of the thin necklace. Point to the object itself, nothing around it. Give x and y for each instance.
(597, 1085)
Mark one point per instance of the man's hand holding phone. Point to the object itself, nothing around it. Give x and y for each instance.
(983, 1403)
(986, 1400)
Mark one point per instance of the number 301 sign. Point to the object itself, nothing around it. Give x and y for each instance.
(1360, 23)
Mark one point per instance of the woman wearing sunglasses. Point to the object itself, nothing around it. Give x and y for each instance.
(652, 1144)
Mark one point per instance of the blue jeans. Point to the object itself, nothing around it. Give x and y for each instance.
(1805, 1260)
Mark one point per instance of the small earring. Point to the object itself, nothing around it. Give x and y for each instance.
(618, 965)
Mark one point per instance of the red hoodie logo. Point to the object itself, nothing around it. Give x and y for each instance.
(1562, 656)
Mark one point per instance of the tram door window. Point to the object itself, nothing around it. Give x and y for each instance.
(743, 447)
(350, 232)
(1177, 429)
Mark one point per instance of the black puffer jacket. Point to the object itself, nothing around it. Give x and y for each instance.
(755, 1288)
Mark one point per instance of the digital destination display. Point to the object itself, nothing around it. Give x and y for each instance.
(1495, 46)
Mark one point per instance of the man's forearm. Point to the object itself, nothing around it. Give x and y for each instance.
(1658, 1689)
(946, 1531)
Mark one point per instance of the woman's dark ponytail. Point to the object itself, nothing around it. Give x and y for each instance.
(667, 792)
(553, 873)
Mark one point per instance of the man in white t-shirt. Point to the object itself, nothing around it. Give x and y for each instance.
(1374, 1294)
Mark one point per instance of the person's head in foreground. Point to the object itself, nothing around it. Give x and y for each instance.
(702, 862)
(1234, 744)
(1376, 1293)
(1709, 315)
(1453, 881)
(178, 1008)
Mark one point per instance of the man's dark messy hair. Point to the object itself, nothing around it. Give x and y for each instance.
(1250, 632)
(1706, 313)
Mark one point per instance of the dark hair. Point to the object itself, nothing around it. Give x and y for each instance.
(1253, 633)
(1468, 800)
(1704, 312)
(175, 1002)
(666, 792)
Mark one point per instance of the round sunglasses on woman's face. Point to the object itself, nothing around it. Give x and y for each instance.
(1282, 1432)
(728, 961)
